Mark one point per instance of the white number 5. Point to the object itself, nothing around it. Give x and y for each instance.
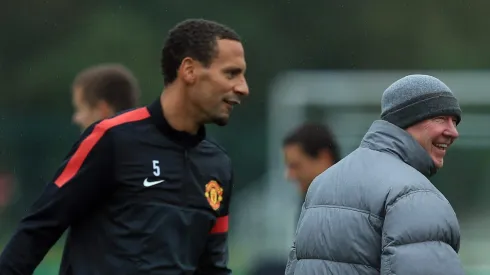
(156, 168)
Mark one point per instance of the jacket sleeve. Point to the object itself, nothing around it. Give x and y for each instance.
(79, 184)
(215, 258)
(420, 236)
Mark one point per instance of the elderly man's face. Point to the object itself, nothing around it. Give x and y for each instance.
(436, 135)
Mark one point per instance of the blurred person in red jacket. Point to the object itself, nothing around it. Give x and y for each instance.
(101, 91)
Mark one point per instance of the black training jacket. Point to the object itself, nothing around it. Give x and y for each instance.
(138, 197)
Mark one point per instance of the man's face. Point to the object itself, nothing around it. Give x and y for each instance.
(436, 135)
(222, 84)
(302, 168)
(85, 114)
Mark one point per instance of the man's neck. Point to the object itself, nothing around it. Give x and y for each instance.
(177, 111)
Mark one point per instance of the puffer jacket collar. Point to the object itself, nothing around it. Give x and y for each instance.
(385, 137)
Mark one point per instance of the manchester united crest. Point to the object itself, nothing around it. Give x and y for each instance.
(214, 194)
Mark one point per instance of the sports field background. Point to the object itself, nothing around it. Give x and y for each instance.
(44, 45)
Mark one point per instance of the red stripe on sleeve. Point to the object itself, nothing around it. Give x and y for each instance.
(221, 225)
(77, 159)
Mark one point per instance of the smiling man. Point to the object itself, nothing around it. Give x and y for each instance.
(146, 191)
(376, 212)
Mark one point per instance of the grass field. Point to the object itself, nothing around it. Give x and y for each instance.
(51, 263)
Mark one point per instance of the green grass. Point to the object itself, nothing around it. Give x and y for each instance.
(51, 263)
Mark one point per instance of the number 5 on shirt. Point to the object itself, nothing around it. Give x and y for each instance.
(156, 168)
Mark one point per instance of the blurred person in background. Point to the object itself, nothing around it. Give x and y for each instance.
(101, 91)
(376, 211)
(147, 191)
(309, 150)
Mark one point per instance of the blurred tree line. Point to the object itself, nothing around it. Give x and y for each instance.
(45, 43)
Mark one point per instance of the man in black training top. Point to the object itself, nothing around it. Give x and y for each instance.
(145, 192)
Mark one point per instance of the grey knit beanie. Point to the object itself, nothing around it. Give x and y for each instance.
(414, 98)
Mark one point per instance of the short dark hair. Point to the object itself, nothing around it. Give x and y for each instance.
(313, 138)
(113, 83)
(195, 38)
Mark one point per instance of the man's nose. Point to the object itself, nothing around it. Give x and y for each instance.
(452, 131)
(242, 88)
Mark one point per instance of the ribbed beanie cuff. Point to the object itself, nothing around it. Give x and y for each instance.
(423, 107)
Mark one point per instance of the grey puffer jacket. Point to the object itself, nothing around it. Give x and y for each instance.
(376, 212)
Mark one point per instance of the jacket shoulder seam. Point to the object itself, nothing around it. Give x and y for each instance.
(392, 204)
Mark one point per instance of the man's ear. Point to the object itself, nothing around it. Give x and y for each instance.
(326, 157)
(187, 70)
(104, 109)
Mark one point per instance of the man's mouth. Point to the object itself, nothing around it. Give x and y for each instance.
(232, 102)
(441, 146)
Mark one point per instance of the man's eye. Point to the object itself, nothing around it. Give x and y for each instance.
(232, 73)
